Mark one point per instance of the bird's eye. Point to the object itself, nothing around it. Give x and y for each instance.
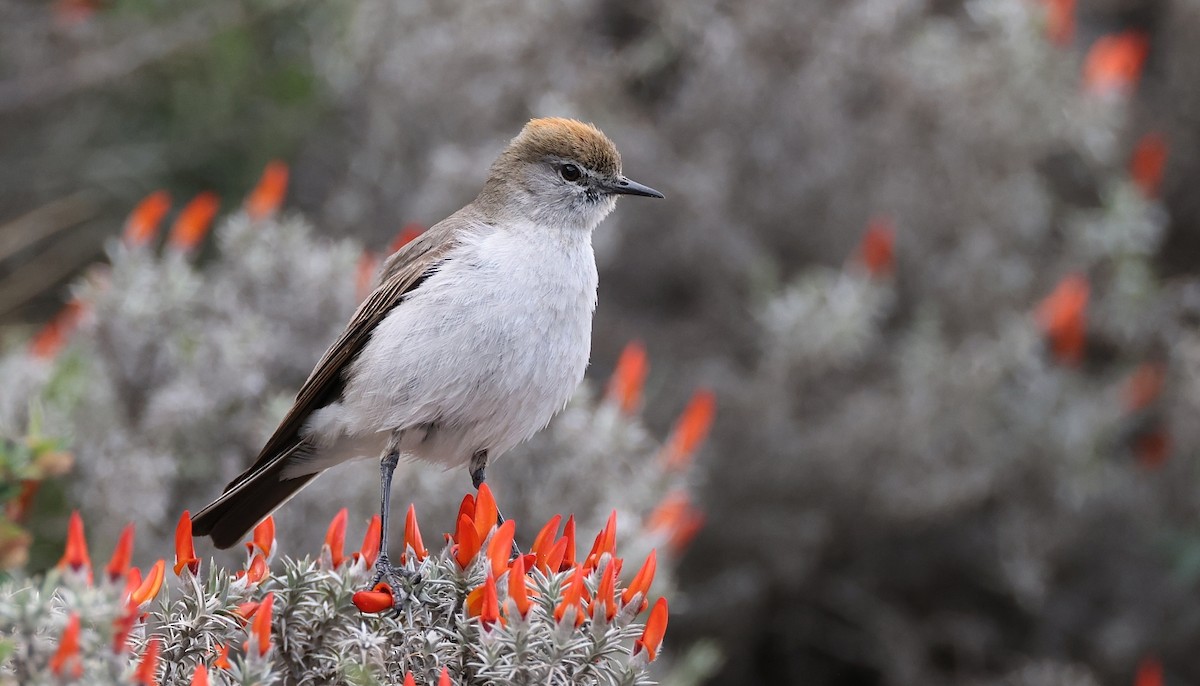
(570, 172)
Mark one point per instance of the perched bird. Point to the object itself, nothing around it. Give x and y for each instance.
(477, 334)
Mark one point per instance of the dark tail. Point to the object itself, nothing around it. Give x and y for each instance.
(248, 500)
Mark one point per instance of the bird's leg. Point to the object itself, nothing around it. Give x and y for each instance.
(383, 566)
(478, 468)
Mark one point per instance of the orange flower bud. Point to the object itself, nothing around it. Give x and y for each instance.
(264, 538)
(185, 547)
(147, 669)
(691, 430)
(486, 513)
(148, 589)
(569, 553)
(629, 377)
(467, 541)
(1062, 316)
(222, 661)
(572, 598)
(371, 542)
(335, 537)
(412, 536)
(1149, 163)
(375, 600)
(193, 221)
(444, 678)
(641, 582)
(606, 542)
(518, 590)
(143, 222)
(66, 659)
(118, 566)
(500, 547)
(76, 558)
(200, 676)
(877, 249)
(606, 594)
(409, 680)
(260, 628)
(544, 541)
(1114, 62)
(268, 195)
(656, 627)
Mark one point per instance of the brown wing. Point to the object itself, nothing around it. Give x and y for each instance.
(402, 273)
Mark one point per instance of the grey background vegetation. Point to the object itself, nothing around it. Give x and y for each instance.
(919, 495)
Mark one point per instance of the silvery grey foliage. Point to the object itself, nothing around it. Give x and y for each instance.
(317, 635)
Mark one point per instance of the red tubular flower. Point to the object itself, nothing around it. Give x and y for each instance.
(555, 558)
(467, 542)
(118, 566)
(371, 541)
(544, 541)
(122, 627)
(54, 335)
(260, 628)
(691, 430)
(407, 235)
(1149, 672)
(76, 558)
(143, 222)
(147, 669)
(466, 507)
(268, 195)
(335, 538)
(375, 600)
(629, 378)
(877, 250)
(264, 538)
(678, 518)
(200, 676)
(500, 547)
(256, 572)
(148, 589)
(569, 554)
(606, 542)
(185, 547)
(444, 679)
(489, 604)
(193, 221)
(641, 582)
(412, 536)
(247, 610)
(222, 661)
(409, 680)
(66, 659)
(606, 594)
(486, 513)
(518, 590)
(1149, 163)
(572, 598)
(1062, 316)
(656, 627)
(1114, 63)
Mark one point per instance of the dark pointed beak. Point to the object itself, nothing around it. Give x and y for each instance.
(624, 186)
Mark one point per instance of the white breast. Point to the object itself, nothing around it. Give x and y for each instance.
(480, 356)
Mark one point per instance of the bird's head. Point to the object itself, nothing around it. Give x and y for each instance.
(560, 172)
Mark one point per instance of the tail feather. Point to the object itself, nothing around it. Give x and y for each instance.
(248, 500)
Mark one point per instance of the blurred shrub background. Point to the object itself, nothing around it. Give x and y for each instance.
(965, 457)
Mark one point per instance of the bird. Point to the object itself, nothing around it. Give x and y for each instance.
(477, 334)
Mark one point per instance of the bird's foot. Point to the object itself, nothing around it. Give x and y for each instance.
(393, 574)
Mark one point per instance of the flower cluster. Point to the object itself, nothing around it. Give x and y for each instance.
(471, 613)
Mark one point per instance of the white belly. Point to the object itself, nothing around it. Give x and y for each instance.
(480, 357)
